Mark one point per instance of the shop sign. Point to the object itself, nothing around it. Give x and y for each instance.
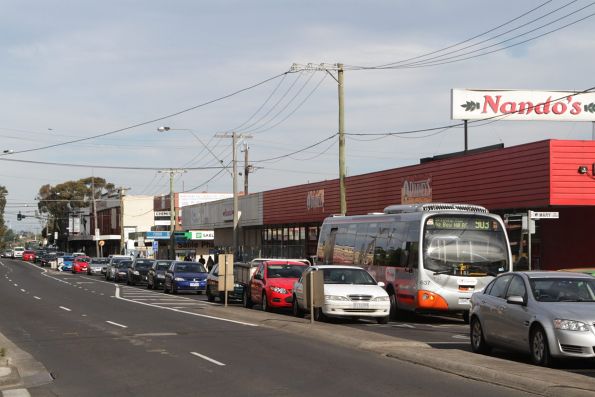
(162, 214)
(416, 191)
(315, 200)
(522, 105)
(162, 235)
(200, 235)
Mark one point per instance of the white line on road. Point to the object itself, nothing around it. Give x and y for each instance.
(207, 358)
(16, 393)
(65, 308)
(22, 290)
(37, 297)
(116, 324)
(16, 285)
(117, 296)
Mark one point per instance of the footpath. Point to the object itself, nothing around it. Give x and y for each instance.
(19, 370)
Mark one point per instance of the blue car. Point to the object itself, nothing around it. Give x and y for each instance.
(185, 276)
(67, 263)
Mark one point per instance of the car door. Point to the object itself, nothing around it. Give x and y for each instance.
(256, 284)
(299, 289)
(514, 319)
(491, 304)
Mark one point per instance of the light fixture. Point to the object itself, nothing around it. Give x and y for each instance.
(163, 129)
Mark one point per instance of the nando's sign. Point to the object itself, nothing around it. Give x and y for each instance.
(522, 105)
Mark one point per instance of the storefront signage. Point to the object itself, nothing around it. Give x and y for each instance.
(416, 191)
(522, 105)
(162, 214)
(315, 199)
(200, 235)
(163, 235)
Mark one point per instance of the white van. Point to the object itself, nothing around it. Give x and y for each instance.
(17, 252)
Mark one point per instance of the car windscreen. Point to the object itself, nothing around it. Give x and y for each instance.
(563, 289)
(285, 271)
(83, 259)
(123, 264)
(189, 267)
(162, 266)
(347, 276)
(143, 264)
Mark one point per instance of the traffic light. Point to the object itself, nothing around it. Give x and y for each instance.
(19, 216)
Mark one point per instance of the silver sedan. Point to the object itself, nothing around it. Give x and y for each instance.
(547, 314)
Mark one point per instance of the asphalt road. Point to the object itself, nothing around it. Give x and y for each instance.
(100, 339)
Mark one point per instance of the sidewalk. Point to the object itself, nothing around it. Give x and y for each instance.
(19, 370)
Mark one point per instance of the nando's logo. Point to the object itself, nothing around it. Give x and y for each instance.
(416, 191)
(523, 105)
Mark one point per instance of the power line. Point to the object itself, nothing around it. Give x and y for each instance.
(113, 167)
(154, 120)
(297, 151)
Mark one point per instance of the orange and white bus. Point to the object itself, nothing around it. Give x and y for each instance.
(431, 256)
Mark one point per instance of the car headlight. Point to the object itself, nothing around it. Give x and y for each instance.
(335, 298)
(570, 325)
(179, 279)
(380, 299)
(122, 273)
(278, 290)
(161, 276)
(136, 273)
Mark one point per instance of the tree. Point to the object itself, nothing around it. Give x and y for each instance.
(57, 202)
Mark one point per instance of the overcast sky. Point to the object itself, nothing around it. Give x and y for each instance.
(77, 69)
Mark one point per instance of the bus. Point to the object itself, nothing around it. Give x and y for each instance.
(431, 257)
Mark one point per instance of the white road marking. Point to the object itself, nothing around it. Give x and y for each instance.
(116, 324)
(157, 334)
(37, 297)
(22, 290)
(16, 393)
(207, 358)
(403, 326)
(461, 337)
(16, 285)
(65, 308)
(117, 296)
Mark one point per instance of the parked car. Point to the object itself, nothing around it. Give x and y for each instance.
(349, 291)
(185, 276)
(112, 266)
(271, 286)
(242, 273)
(17, 252)
(80, 264)
(118, 271)
(7, 254)
(29, 256)
(546, 314)
(97, 266)
(156, 273)
(67, 262)
(137, 273)
(50, 257)
(38, 254)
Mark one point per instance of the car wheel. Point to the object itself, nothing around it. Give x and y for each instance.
(173, 288)
(295, 308)
(265, 303)
(246, 301)
(382, 320)
(210, 297)
(149, 285)
(540, 351)
(392, 297)
(318, 314)
(478, 343)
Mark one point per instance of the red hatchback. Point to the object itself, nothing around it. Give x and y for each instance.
(271, 285)
(80, 264)
(29, 256)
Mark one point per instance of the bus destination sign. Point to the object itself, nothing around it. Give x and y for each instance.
(460, 223)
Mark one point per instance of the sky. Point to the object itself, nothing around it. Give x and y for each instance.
(74, 70)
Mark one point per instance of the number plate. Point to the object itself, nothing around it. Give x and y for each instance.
(464, 301)
(194, 284)
(361, 305)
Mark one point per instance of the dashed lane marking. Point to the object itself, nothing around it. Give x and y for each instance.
(207, 359)
(65, 308)
(116, 324)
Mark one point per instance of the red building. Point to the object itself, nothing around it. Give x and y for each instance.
(550, 175)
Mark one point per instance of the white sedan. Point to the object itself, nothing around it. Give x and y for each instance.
(349, 291)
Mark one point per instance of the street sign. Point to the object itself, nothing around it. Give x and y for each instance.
(543, 215)
(155, 245)
(101, 243)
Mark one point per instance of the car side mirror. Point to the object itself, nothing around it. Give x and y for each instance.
(381, 284)
(515, 300)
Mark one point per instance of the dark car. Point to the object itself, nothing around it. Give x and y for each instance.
(137, 273)
(120, 270)
(185, 276)
(49, 257)
(112, 267)
(156, 274)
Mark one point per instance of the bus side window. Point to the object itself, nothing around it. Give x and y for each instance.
(396, 256)
(360, 244)
(413, 250)
(381, 245)
(329, 246)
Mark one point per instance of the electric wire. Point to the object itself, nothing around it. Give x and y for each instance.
(297, 151)
(155, 119)
(113, 167)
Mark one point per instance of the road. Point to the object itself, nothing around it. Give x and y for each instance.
(100, 339)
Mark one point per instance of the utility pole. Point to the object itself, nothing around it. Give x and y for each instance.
(247, 169)
(339, 79)
(173, 218)
(234, 138)
(122, 191)
(96, 227)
